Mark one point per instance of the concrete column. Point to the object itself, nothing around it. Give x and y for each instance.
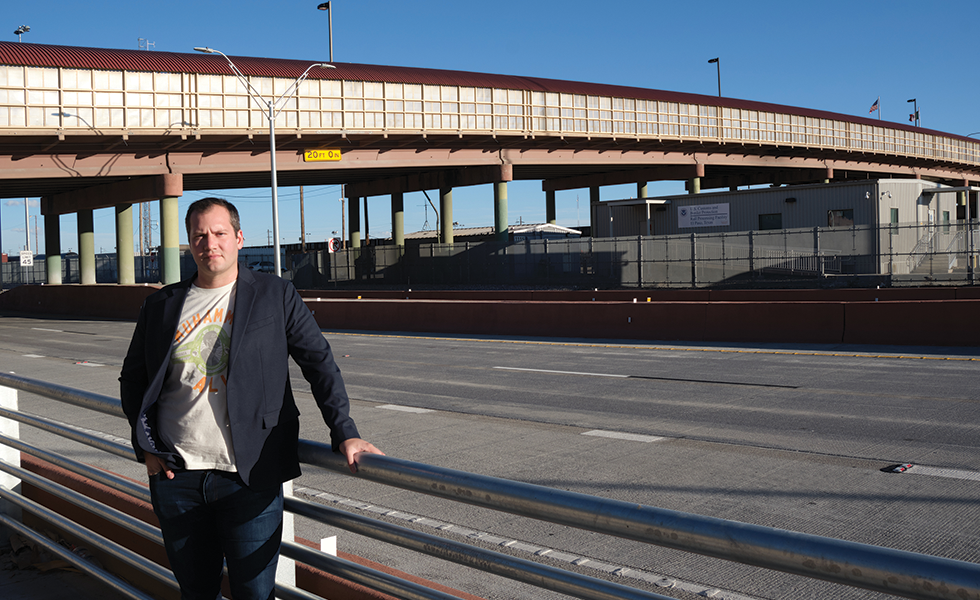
(694, 185)
(641, 189)
(170, 241)
(500, 211)
(52, 248)
(125, 263)
(549, 207)
(86, 246)
(398, 218)
(446, 208)
(354, 222)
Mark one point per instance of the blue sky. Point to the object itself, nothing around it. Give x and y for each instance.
(831, 55)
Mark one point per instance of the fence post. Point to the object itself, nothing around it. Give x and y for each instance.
(286, 569)
(694, 261)
(639, 261)
(816, 251)
(11, 456)
(751, 254)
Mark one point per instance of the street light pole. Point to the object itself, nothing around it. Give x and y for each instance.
(717, 62)
(915, 111)
(273, 109)
(326, 6)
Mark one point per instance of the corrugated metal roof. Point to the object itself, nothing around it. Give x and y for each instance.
(41, 55)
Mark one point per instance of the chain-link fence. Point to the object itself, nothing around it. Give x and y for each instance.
(900, 254)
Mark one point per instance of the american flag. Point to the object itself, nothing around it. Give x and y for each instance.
(874, 106)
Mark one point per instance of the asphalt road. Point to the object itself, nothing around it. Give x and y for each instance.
(787, 437)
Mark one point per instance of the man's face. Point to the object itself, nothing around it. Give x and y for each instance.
(215, 245)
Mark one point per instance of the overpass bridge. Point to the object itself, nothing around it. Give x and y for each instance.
(90, 128)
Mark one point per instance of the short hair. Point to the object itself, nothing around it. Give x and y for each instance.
(205, 204)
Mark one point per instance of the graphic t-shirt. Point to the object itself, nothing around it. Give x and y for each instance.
(192, 414)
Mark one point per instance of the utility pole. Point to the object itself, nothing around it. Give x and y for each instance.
(302, 223)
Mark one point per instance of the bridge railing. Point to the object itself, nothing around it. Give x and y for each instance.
(71, 101)
(876, 568)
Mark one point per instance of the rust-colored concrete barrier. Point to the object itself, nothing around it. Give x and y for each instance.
(914, 316)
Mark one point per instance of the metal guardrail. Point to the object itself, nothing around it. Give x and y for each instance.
(866, 566)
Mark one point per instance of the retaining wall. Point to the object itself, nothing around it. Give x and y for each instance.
(899, 316)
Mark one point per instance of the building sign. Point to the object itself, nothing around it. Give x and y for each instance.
(26, 258)
(703, 215)
(321, 154)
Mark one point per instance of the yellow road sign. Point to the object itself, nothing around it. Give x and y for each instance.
(321, 154)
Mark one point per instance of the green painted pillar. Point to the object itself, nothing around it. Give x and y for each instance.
(641, 189)
(52, 248)
(125, 263)
(398, 219)
(354, 220)
(694, 185)
(170, 241)
(549, 207)
(86, 246)
(500, 227)
(446, 208)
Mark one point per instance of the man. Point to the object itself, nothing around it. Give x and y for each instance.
(205, 386)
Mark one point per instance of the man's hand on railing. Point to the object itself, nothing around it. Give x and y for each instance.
(351, 447)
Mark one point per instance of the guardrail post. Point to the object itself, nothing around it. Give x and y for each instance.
(286, 570)
(11, 456)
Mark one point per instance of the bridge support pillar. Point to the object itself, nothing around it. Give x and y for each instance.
(354, 219)
(398, 220)
(52, 248)
(641, 189)
(593, 204)
(125, 263)
(549, 207)
(86, 246)
(694, 185)
(500, 227)
(446, 208)
(170, 242)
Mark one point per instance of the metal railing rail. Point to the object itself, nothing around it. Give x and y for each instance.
(859, 565)
(518, 569)
(582, 586)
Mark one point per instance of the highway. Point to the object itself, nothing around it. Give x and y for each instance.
(787, 437)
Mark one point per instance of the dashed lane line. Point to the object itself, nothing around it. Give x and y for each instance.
(618, 435)
(650, 377)
(662, 348)
(408, 409)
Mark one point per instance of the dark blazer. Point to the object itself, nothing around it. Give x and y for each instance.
(271, 323)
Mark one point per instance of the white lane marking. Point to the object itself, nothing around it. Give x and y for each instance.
(657, 579)
(564, 372)
(86, 363)
(33, 355)
(409, 409)
(949, 473)
(43, 329)
(616, 435)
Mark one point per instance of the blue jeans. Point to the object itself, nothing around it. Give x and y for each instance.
(205, 515)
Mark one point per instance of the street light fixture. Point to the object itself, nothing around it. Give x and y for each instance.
(20, 31)
(915, 112)
(717, 62)
(272, 108)
(326, 6)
